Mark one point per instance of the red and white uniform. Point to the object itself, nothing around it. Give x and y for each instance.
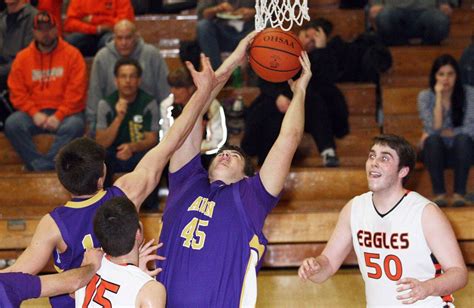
(392, 246)
(112, 286)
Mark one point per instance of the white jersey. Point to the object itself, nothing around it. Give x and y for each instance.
(113, 285)
(392, 246)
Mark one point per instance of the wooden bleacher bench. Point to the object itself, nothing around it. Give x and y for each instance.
(306, 215)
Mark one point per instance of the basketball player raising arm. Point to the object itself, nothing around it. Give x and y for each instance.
(67, 230)
(401, 239)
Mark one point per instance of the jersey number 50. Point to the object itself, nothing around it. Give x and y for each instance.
(192, 228)
(371, 261)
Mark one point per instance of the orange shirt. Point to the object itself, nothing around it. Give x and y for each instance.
(55, 80)
(103, 12)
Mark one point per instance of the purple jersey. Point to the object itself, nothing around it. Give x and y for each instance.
(75, 222)
(208, 233)
(17, 287)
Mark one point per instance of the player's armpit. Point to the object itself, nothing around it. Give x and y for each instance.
(45, 239)
(151, 295)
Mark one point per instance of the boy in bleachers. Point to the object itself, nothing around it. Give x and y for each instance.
(90, 23)
(125, 44)
(127, 120)
(47, 86)
(182, 88)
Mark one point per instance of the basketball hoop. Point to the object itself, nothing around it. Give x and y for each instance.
(280, 13)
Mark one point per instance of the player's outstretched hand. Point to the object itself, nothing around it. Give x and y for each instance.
(412, 290)
(302, 83)
(147, 253)
(237, 57)
(204, 80)
(93, 256)
(309, 268)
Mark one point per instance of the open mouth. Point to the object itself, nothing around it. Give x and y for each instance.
(374, 174)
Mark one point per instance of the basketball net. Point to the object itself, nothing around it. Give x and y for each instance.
(280, 13)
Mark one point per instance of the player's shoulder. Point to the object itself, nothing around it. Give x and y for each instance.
(153, 292)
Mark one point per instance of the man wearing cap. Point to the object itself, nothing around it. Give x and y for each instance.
(47, 86)
(16, 32)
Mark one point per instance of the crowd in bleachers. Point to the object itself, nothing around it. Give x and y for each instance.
(123, 105)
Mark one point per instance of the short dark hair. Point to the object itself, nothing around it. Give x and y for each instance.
(127, 61)
(180, 78)
(405, 151)
(322, 23)
(458, 98)
(249, 169)
(79, 165)
(115, 224)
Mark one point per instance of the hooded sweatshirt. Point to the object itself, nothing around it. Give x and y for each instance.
(54, 80)
(102, 79)
(107, 12)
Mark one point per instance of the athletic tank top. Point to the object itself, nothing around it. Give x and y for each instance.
(113, 285)
(392, 246)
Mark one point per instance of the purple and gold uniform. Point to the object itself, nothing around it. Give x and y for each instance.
(17, 287)
(213, 240)
(75, 222)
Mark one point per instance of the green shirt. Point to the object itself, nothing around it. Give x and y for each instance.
(142, 116)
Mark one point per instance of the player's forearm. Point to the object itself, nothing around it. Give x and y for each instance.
(453, 279)
(107, 136)
(66, 282)
(292, 128)
(325, 271)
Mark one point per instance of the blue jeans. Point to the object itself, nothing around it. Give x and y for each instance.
(439, 154)
(20, 129)
(215, 36)
(397, 25)
(89, 44)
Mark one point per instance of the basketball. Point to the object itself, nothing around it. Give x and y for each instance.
(274, 55)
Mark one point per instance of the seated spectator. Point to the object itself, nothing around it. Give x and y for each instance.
(398, 21)
(16, 32)
(217, 31)
(127, 120)
(126, 43)
(447, 112)
(360, 60)
(90, 23)
(182, 88)
(48, 87)
(325, 108)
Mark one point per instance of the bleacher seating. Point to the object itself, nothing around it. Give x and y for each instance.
(313, 196)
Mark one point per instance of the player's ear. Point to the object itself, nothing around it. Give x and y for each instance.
(403, 172)
(101, 180)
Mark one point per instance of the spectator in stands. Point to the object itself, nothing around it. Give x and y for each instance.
(447, 112)
(16, 32)
(182, 88)
(326, 109)
(218, 30)
(90, 23)
(17, 287)
(47, 86)
(397, 21)
(126, 44)
(127, 120)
